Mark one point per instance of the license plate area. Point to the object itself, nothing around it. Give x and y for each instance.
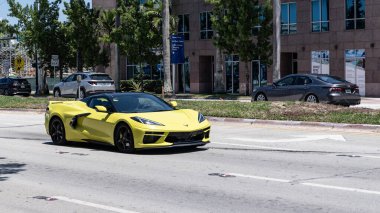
(348, 91)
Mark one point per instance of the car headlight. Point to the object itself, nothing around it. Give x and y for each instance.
(201, 118)
(146, 121)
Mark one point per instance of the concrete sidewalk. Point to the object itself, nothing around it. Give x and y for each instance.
(370, 103)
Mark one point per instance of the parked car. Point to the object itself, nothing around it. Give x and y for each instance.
(15, 86)
(91, 83)
(310, 88)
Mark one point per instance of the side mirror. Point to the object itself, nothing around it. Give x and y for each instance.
(173, 103)
(101, 109)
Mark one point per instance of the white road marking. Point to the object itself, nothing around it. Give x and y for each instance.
(260, 178)
(95, 205)
(370, 156)
(253, 146)
(342, 188)
(307, 184)
(298, 139)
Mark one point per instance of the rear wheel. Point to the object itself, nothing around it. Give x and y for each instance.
(260, 97)
(6, 92)
(82, 93)
(57, 93)
(123, 139)
(57, 131)
(311, 98)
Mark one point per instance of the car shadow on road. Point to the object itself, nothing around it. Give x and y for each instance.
(9, 169)
(108, 148)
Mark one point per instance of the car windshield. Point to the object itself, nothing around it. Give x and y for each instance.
(24, 81)
(100, 77)
(332, 79)
(140, 103)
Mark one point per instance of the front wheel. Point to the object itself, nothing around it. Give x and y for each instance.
(82, 93)
(123, 139)
(57, 132)
(311, 99)
(57, 93)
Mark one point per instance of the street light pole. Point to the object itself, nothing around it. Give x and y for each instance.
(36, 6)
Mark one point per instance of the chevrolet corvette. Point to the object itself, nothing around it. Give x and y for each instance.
(128, 121)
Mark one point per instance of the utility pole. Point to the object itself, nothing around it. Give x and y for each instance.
(276, 40)
(37, 7)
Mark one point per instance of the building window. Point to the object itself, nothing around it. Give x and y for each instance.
(149, 72)
(259, 74)
(183, 26)
(355, 68)
(232, 73)
(288, 18)
(320, 62)
(206, 25)
(355, 14)
(320, 15)
(261, 19)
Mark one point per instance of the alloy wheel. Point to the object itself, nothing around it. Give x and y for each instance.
(57, 132)
(312, 99)
(57, 93)
(124, 139)
(261, 97)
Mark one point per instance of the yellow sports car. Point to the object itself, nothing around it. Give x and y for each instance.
(129, 121)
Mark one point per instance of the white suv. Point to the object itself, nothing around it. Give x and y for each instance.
(91, 83)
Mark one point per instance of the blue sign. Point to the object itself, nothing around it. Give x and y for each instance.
(177, 49)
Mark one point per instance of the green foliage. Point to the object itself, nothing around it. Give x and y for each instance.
(154, 86)
(82, 29)
(234, 22)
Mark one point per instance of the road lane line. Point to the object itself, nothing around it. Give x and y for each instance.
(308, 184)
(370, 156)
(304, 138)
(94, 205)
(260, 178)
(341, 188)
(254, 146)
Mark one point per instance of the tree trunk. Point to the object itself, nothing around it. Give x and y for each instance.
(218, 74)
(276, 40)
(166, 47)
(247, 83)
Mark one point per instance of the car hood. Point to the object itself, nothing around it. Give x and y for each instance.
(182, 120)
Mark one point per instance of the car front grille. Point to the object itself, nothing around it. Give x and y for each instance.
(186, 137)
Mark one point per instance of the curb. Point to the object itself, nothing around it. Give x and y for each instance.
(373, 128)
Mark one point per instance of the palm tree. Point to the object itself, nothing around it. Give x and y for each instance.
(166, 46)
(276, 39)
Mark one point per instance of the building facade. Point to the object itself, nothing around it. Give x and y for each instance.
(336, 37)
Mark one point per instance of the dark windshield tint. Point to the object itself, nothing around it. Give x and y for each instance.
(100, 77)
(139, 103)
(24, 81)
(332, 79)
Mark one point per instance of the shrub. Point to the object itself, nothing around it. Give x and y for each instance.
(154, 86)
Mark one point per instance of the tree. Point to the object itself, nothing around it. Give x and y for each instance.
(83, 32)
(139, 34)
(276, 39)
(234, 23)
(166, 46)
(39, 26)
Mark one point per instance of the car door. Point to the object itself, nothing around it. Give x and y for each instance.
(99, 126)
(282, 90)
(2, 85)
(300, 88)
(66, 83)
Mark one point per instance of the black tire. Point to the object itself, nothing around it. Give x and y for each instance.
(57, 93)
(261, 97)
(57, 131)
(6, 92)
(312, 98)
(82, 93)
(26, 95)
(123, 139)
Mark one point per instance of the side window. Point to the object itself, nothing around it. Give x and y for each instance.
(302, 80)
(100, 101)
(286, 82)
(69, 79)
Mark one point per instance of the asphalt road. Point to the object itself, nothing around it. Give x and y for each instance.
(246, 169)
